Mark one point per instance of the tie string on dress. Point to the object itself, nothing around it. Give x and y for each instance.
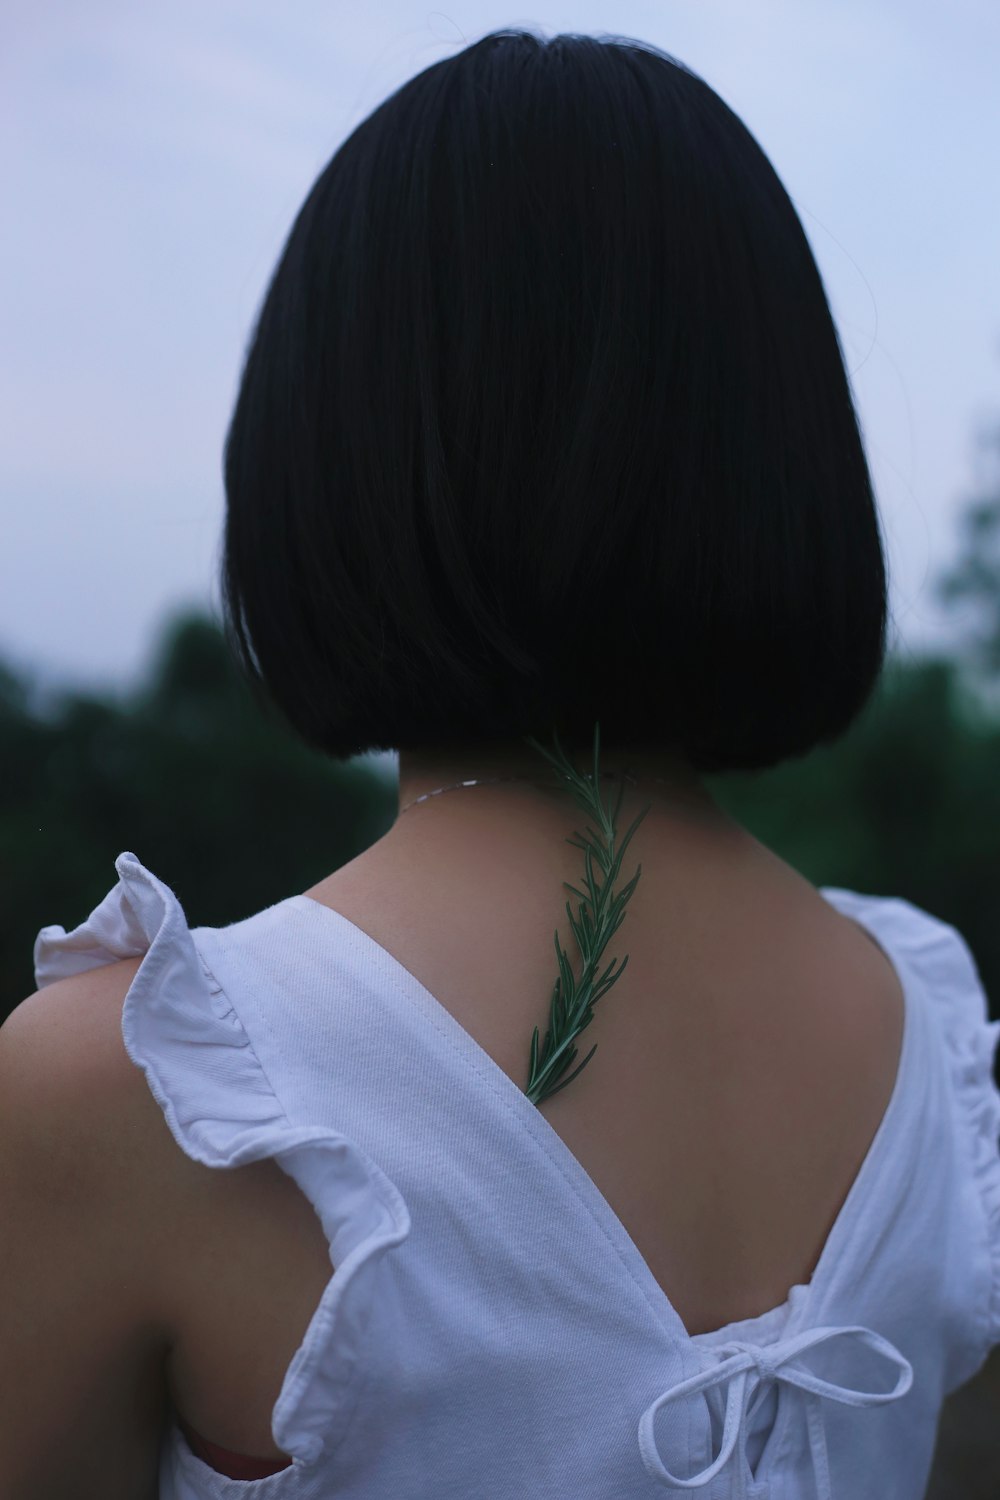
(743, 1371)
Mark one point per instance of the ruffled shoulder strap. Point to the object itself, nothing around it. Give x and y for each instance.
(962, 1009)
(958, 1005)
(182, 1030)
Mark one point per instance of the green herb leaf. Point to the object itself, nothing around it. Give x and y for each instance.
(600, 915)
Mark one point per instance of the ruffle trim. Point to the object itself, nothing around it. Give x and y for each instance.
(180, 1029)
(940, 954)
(972, 1041)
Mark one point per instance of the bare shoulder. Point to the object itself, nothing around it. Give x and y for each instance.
(67, 1084)
(878, 1011)
(82, 1341)
(75, 1109)
(70, 1033)
(113, 1237)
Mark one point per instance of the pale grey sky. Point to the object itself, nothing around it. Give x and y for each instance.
(153, 158)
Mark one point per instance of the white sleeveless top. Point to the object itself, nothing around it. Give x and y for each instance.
(489, 1329)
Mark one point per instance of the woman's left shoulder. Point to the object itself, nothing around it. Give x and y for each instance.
(62, 1047)
(86, 1191)
(75, 1106)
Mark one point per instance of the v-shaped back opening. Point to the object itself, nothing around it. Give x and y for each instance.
(443, 1023)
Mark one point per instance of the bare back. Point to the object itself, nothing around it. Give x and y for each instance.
(744, 1061)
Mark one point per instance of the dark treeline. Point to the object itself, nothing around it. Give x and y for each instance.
(186, 773)
(234, 814)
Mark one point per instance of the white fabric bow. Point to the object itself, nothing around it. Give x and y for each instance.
(742, 1371)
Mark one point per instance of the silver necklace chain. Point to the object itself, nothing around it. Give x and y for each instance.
(489, 780)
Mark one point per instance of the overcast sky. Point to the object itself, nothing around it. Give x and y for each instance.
(153, 157)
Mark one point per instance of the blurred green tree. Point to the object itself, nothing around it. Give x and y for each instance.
(972, 581)
(226, 807)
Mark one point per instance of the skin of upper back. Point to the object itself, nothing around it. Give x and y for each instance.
(744, 1061)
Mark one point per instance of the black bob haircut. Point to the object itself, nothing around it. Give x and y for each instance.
(544, 420)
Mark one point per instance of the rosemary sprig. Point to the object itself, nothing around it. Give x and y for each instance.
(601, 913)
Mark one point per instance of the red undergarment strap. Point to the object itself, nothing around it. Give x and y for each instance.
(224, 1461)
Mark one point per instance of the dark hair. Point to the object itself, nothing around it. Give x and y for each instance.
(544, 420)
